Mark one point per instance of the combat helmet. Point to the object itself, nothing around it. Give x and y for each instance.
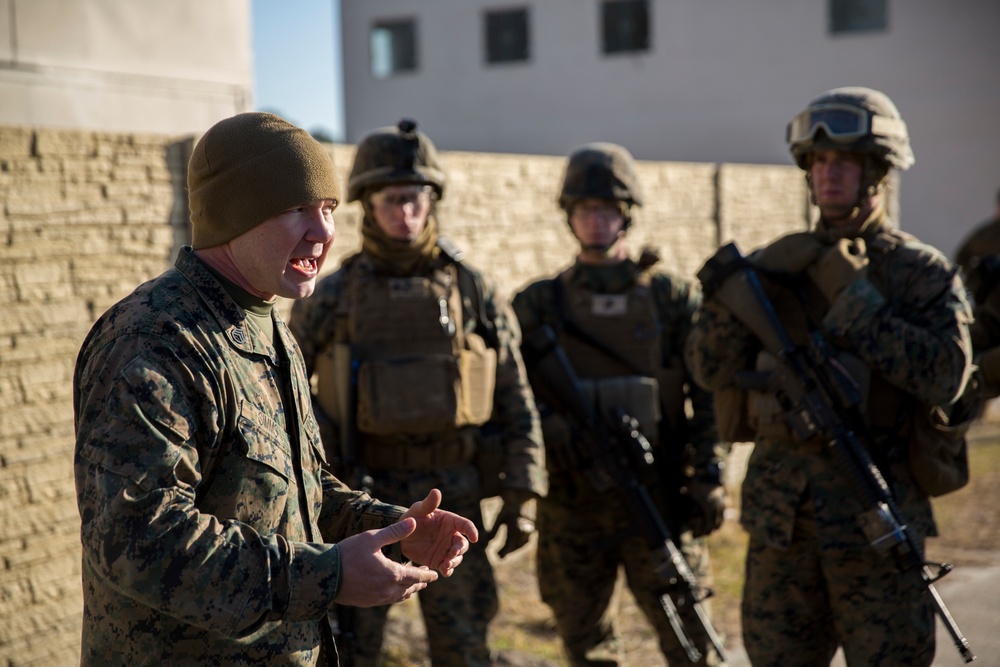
(395, 156)
(855, 119)
(600, 171)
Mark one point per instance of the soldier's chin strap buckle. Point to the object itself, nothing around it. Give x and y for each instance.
(726, 261)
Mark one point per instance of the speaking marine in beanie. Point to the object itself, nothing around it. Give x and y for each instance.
(211, 531)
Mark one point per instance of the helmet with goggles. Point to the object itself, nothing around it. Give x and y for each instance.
(398, 155)
(856, 119)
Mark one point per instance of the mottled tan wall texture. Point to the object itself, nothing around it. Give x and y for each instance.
(87, 216)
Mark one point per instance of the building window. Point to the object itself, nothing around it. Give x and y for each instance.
(394, 48)
(857, 15)
(507, 36)
(625, 25)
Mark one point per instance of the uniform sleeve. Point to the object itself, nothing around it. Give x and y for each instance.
(682, 306)
(348, 512)
(918, 338)
(514, 408)
(148, 436)
(528, 308)
(718, 346)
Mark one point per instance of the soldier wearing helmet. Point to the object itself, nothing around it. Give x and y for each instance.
(622, 324)
(419, 384)
(894, 313)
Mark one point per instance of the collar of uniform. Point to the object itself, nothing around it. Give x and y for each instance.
(605, 279)
(232, 317)
(876, 221)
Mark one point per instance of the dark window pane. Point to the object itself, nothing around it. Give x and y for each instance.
(626, 25)
(394, 48)
(507, 36)
(857, 15)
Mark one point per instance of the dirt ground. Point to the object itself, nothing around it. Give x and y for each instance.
(523, 634)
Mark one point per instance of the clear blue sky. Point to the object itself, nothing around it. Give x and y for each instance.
(297, 62)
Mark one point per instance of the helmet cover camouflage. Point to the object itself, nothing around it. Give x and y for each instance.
(600, 171)
(854, 119)
(395, 156)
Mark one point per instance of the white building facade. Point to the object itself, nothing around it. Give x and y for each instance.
(688, 80)
(168, 67)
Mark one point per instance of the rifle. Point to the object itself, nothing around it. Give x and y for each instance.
(613, 450)
(820, 399)
(341, 619)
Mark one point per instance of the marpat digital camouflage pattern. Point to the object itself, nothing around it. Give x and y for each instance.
(208, 523)
(582, 536)
(908, 324)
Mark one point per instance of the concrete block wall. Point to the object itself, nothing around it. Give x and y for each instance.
(501, 210)
(87, 216)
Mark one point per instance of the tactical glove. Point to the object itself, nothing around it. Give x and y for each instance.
(710, 504)
(514, 516)
(791, 253)
(840, 265)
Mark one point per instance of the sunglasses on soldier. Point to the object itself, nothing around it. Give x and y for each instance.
(842, 123)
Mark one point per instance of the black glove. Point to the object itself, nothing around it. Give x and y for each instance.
(710, 505)
(513, 515)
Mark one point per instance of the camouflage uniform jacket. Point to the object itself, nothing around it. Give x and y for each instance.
(907, 323)
(207, 519)
(675, 301)
(320, 319)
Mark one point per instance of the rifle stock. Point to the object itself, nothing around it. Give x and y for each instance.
(614, 456)
(821, 400)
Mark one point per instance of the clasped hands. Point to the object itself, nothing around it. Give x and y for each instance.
(433, 538)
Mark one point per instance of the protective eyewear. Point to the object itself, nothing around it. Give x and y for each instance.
(602, 211)
(417, 197)
(842, 123)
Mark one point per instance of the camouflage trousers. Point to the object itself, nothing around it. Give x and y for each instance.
(456, 610)
(581, 548)
(800, 603)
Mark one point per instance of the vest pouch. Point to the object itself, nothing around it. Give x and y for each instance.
(332, 381)
(938, 451)
(477, 365)
(413, 395)
(638, 396)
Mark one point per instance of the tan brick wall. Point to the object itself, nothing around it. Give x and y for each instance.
(87, 216)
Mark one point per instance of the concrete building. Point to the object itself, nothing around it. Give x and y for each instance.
(124, 65)
(688, 80)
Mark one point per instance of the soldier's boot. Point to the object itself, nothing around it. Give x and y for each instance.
(608, 653)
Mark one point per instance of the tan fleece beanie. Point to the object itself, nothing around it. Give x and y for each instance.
(251, 167)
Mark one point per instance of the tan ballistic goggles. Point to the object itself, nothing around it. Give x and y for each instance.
(842, 123)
